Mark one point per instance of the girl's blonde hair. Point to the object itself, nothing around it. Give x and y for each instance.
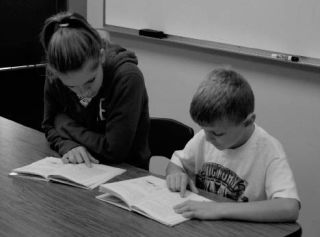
(69, 41)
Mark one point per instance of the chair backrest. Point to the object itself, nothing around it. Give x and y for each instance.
(168, 135)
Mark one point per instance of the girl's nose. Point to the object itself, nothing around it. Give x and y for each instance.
(84, 91)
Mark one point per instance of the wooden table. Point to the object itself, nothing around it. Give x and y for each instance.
(39, 208)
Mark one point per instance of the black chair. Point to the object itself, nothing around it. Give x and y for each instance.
(168, 135)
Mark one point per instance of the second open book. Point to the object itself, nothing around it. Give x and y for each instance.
(148, 196)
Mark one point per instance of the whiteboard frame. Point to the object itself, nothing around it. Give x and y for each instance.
(215, 46)
(211, 45)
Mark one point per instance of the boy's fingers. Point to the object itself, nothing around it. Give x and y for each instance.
(180, 206)
(169, 183)
(183, 186)
(177, 183)
(193, 186)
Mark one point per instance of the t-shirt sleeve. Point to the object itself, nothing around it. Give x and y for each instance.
(189, 156)
(280, 182)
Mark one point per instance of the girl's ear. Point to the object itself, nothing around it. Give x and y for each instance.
(102, 55)
(53, 71)
(250, 119)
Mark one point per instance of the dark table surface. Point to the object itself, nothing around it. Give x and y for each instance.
(38, 208)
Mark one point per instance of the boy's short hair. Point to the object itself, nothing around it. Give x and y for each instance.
(224, 95)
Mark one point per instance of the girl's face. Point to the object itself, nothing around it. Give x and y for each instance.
(85, 82)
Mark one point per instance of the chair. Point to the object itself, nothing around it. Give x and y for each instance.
(166, 136)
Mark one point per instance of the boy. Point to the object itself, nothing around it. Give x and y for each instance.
(233, 157)
(95, 100)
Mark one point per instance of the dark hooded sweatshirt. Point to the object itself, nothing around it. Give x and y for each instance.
(114, 127)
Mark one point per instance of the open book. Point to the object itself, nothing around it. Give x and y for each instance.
(79, 175)
(148, 196)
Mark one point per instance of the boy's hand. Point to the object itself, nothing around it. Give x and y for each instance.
(179, 181)
(79, 155)
(201, 210)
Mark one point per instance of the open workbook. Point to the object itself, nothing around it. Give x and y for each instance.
(78, 175)
(148, 196)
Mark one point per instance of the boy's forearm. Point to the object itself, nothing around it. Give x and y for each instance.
(275, 210)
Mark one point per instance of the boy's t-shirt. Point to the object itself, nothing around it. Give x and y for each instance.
(257, 170)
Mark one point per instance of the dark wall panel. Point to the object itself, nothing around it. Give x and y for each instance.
(21, 91)
(21, 96)
(20, 23)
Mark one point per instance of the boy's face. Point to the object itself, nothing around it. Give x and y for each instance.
(85, 82)
(227, 135)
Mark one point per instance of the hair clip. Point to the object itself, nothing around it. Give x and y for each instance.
(63, 25)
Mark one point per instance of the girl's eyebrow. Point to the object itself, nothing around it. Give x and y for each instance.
(91, 80)
(87, 82)
(94, 66)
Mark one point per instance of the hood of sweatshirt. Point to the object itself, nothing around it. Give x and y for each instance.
(116, 56)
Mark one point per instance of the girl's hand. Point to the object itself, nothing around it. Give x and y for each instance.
(79, 155)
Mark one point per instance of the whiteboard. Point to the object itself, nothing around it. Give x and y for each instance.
(287, 26)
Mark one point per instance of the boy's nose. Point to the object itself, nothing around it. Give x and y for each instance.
(210, 138)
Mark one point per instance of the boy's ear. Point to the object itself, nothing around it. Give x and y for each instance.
(102, 55)
(249, 120)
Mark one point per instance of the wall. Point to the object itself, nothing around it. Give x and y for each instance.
(79, 6)
(284, 26)
(287, 101)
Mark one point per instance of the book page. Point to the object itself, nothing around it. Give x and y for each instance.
(134, 190)
(41, 168)
(159, 206)
(148, 196)
(85, 176)
(114, 200)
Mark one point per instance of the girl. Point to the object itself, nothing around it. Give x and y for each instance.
(95, 100)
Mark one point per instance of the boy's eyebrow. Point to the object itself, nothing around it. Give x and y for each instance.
(216, 133)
